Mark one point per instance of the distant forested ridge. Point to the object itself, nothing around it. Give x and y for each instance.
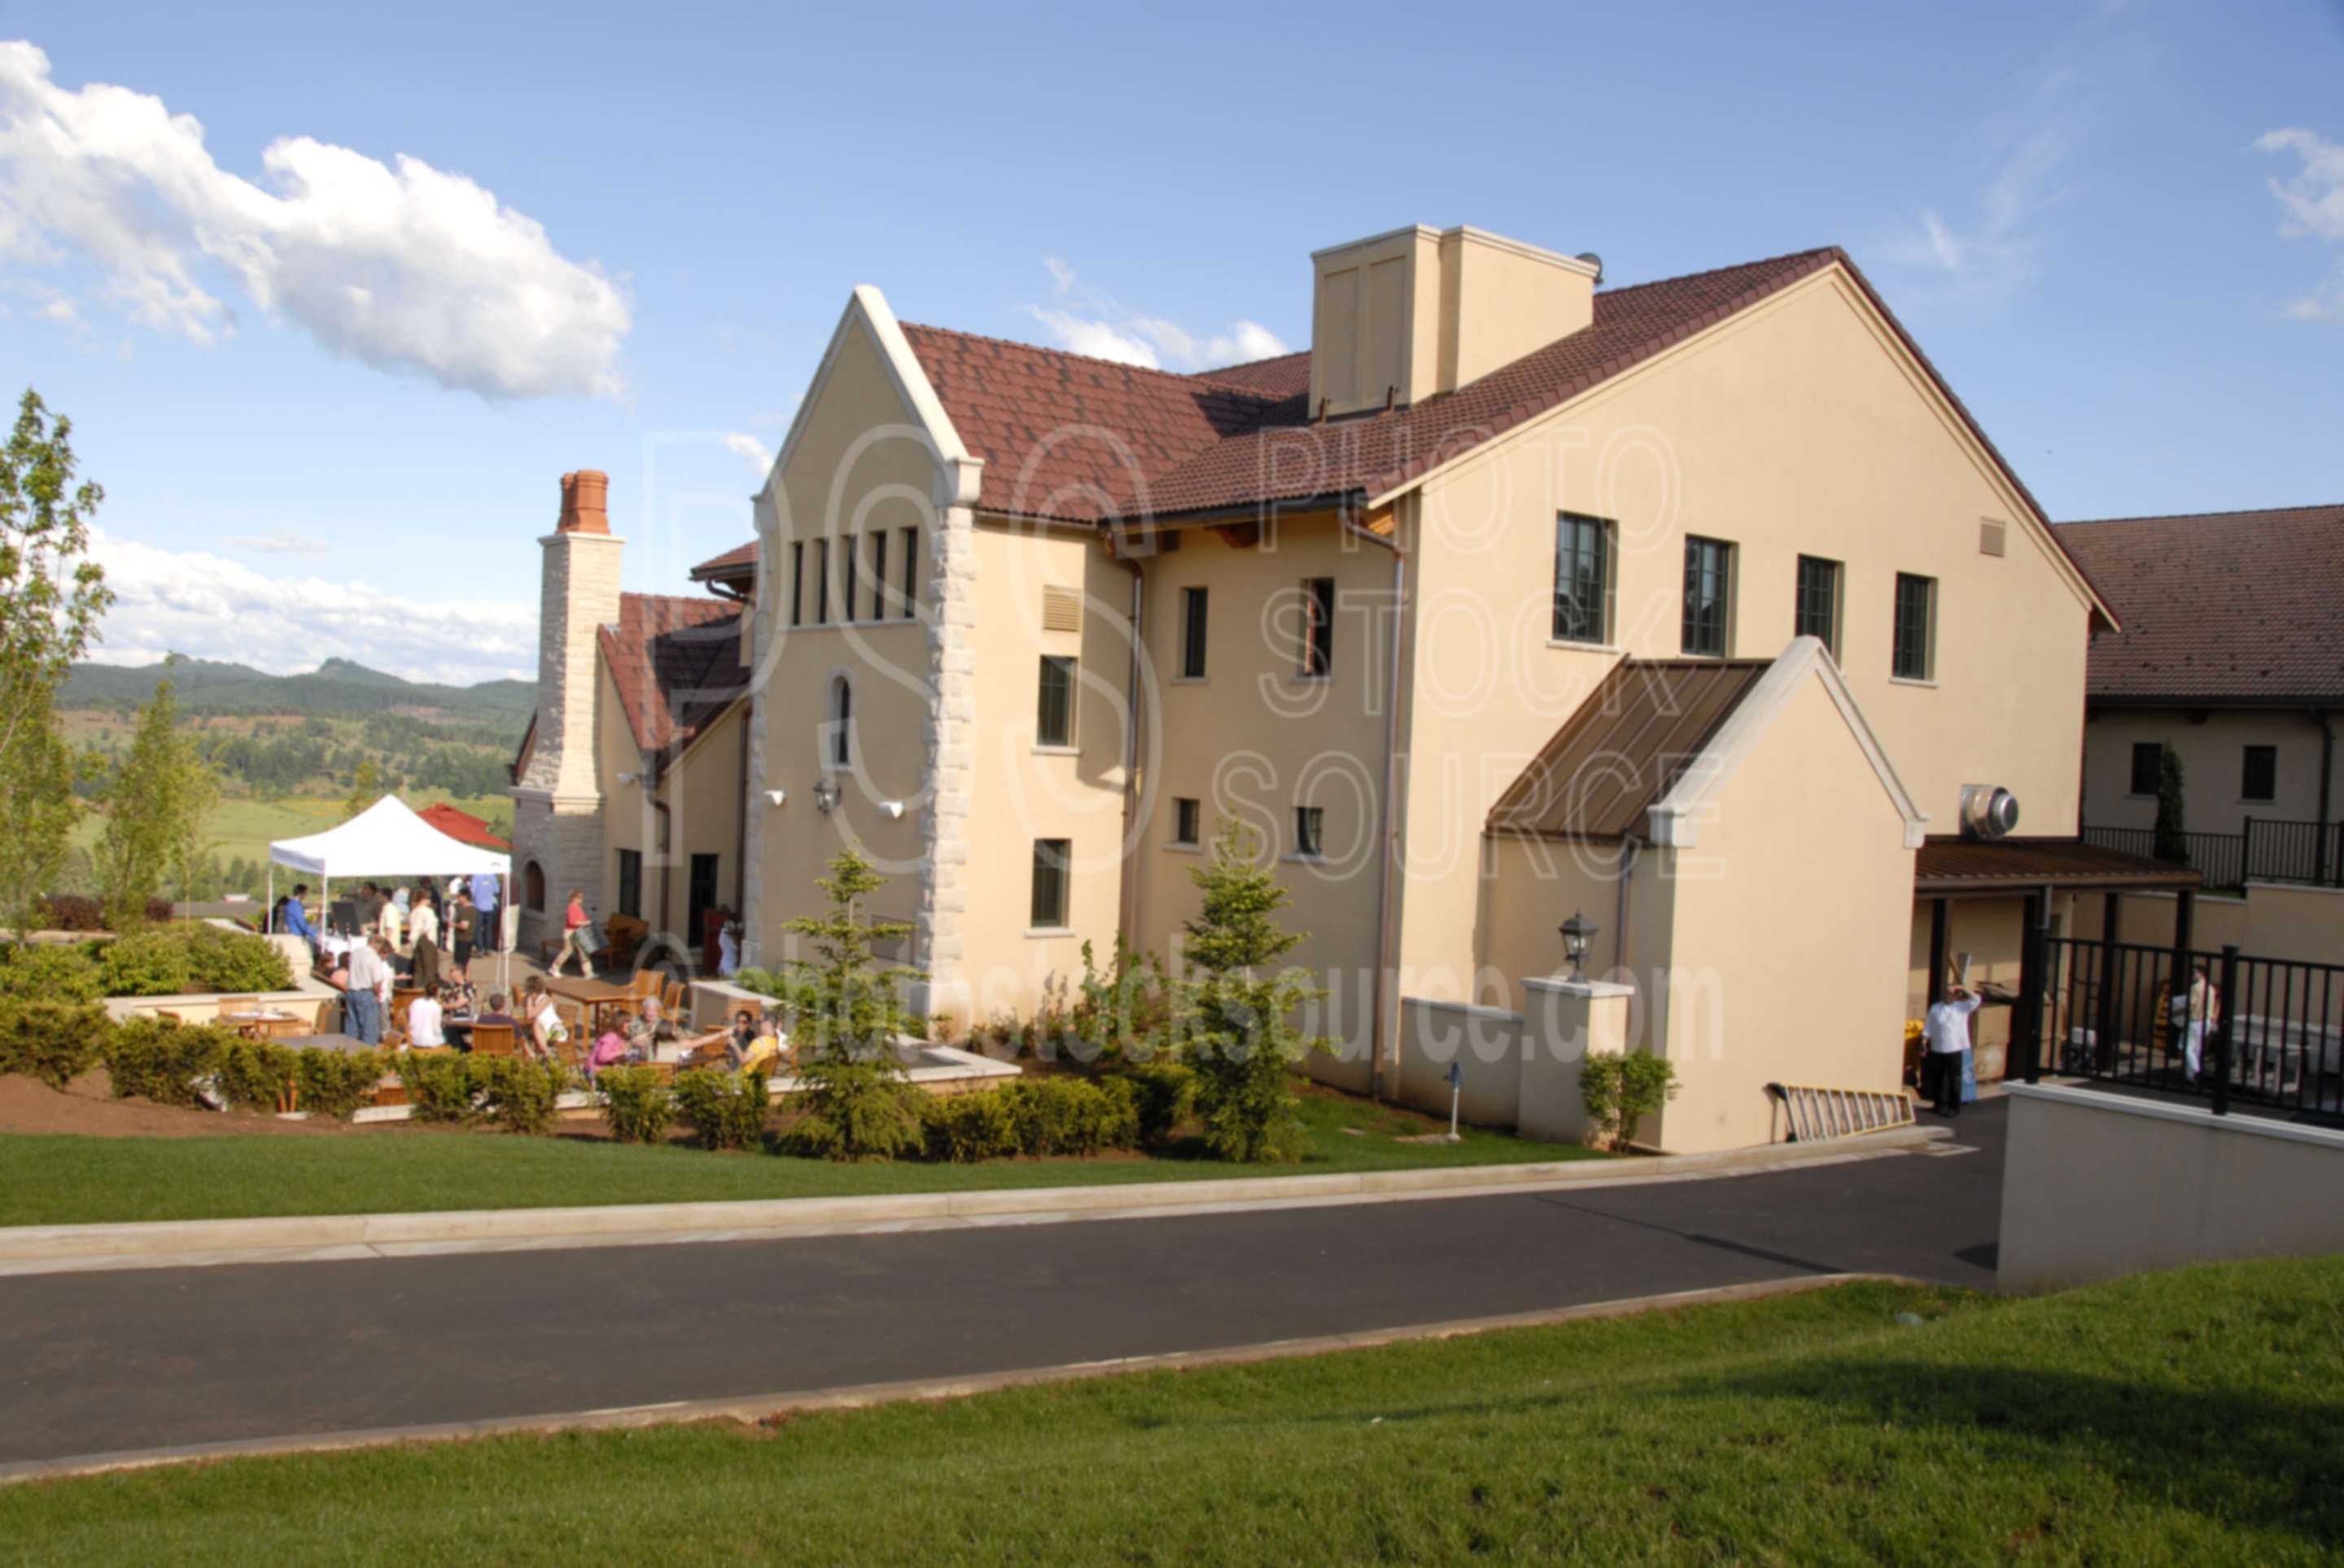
(337, 688)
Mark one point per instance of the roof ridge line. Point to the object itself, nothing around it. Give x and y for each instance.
(1801, 254)
(1182, 376)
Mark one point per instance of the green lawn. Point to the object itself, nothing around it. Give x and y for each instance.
(64, 1180)
(2188, 1417)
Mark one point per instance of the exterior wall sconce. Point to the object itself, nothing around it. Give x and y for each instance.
(626, 777)
(892, 809)
(826, 795)
(1576, 934)
(776, 797)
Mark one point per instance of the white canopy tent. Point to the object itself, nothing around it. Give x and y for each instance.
(387, 839)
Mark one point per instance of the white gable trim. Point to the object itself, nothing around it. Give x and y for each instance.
(867, 308)
(1673, 820)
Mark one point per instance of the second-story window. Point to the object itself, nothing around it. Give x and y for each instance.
(1193, 610)
(797, 582)
(2147, 767)
(1708, 597)
(1309, 831)
(1817, 612)
(1054, 721)
(2259, 780)
(850, 553)
(879, 574)
(822, 582)
(1583, 579)
(1187, 820)
(841, 723)
(1319, 628)
(911, 572)
(1915, 651)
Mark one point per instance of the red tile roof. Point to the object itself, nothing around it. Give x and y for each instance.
(738, 564)
(461, 826)
(677, 665)
(2222, 606)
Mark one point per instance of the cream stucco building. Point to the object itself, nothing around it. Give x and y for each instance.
(1029, 628)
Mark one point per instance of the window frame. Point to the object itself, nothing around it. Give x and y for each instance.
(1309, 832)
(849, 559)
(1834, 618)
(2248, 755)
(1725, 553)
(1318, 628)
(1897, 668)
(879, 588)
(1065, 667)
(1578, 527)
(1196, 621)
(1054, 857)
(911, 571)
(838, 756)
(2154, 751)
(630, 879)
(821, 581)
(797, 582)
(1188, 822)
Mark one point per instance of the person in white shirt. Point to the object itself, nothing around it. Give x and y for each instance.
(2196, 1010)
(390, 925)
(362, 998)
(1945, 1036)
(423, 1024)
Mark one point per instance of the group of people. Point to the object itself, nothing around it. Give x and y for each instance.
(401, 941)
(2193, 1010)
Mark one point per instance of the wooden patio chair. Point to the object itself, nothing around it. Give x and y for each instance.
(644, 982)
(493, 1039)
(675, 998)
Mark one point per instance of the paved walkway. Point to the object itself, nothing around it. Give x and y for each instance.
(108, 1363)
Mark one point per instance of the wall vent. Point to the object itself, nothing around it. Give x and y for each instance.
(1061, 610)
(1991, 536)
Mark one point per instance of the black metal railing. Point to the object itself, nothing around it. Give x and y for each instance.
(2266, 849)
(2122, 1012)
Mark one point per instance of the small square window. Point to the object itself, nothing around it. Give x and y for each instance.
(1052, 857)
(1187, 820)
(1310, 830)
(2260, 781)
(2147, 767)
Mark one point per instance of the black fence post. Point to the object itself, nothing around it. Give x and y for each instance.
(2222, 1030)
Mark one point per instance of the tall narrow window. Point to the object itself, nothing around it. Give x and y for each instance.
(1193, 610)
(879, 589)
(1187, 820)
(1319, 627)
(841, 723)
(1583, 579)
(822, 582)
(630, 883)
(1051, 858)
(1309, 831)
(1708, 597)
(1053, 723)
(2147, 767)
(797, 582)
(2260, 781)
(911, 572)
(1916, 627)
(1818, 613)
(850, 549)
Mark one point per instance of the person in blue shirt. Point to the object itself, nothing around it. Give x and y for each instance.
(297, 920)
(484, 900)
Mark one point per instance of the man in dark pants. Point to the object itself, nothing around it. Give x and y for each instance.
(1945, 1035)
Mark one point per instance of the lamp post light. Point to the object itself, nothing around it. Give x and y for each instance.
(1576, 934)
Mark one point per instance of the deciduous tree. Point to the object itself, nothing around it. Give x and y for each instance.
(157, 804)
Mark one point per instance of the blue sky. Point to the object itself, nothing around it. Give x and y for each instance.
(624, 237)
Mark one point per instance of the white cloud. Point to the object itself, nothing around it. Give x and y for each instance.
(283, 542)
(2313, 200)
(750, 450)
(405, 268)
(187, 601)
(2000, 248)
(1093, 325)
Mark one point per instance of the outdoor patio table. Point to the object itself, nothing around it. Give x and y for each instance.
(258, 1022)
(594, 995)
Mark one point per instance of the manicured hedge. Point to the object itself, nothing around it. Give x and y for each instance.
(55, 1041)
(1037, 1116)
(172, 960)
(51, 971)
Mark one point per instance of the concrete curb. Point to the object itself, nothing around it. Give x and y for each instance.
(52, 1249)
(759, 1408)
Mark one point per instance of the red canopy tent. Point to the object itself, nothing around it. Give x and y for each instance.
(461, 826)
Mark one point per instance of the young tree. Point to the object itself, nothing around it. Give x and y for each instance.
(847, 1011)
(2170, 839)
(51, 595)
(160, 795)
(366, 789)
(1235, 1020)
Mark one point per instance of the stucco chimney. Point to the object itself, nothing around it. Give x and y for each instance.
(582, 496)
(1401, 317)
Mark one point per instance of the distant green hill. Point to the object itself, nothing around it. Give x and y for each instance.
(337, 688)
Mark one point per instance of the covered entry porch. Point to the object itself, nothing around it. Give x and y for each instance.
(1976, 900)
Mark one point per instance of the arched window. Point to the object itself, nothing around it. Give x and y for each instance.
(841, 723)
(532, 887)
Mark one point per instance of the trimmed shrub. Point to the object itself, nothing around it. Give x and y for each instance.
(726, 1109)
(857, 1110)
(963, 1129)
(335, 1083)
(226, 960)
(55, 1041)
(1073, 1116)
(147, 963)
(519, 1093)
(51, 971)
(635, 1104)
(254, 1074)
(80, 912)
(1621, 1088)
(155, 1059)
(439, 1085)
(1165, 1094)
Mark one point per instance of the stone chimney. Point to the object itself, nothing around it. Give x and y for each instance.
(557, 800)
(1401, 317)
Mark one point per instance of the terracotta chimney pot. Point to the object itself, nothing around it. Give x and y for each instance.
(583, 493)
